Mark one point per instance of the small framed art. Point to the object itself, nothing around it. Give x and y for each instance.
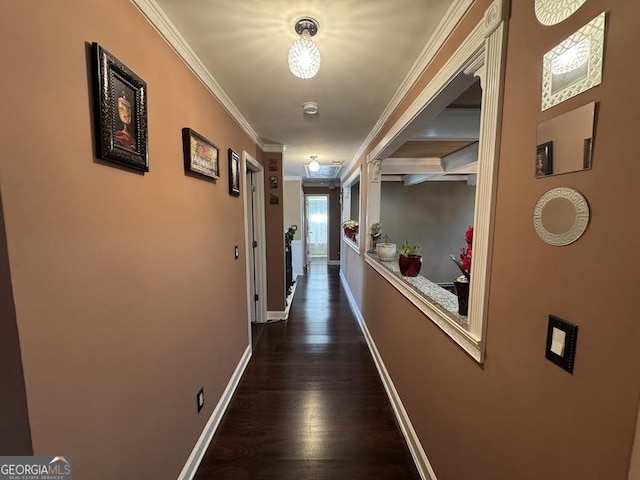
(544, 159)
(200, 154)
(234, 174)
(120, 102)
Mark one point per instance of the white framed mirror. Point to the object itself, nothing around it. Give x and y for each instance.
(552, 12)
(574, 65)
(561, 216)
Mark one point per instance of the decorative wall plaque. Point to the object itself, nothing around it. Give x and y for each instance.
(561, 216)
(552, 12)
(575, 65)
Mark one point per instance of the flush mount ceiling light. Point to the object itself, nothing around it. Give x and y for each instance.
(304, 56)
(313, 166)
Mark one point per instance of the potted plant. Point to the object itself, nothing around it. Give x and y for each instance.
(409, 260)
(463, 282)
(350, 228)
(386, 250)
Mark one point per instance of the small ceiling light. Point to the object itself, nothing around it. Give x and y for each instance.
(304, 56)
(310, 108)
(314, 166)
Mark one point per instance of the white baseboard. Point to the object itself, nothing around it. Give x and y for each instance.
(272, 316)
(210, 428)
(417, 452)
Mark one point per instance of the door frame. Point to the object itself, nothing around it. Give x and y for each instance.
(306, 224)
(250, 163)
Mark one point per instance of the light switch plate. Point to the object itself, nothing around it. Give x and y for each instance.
(561, 342)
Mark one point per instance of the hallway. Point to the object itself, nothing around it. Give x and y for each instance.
(310, 404)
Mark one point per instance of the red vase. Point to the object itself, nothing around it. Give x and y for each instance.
(410, 265)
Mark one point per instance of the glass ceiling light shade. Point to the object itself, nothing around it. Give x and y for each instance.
(313, 166)
(304, 56)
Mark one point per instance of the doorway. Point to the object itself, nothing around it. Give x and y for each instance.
(317, 234)
(255, 248)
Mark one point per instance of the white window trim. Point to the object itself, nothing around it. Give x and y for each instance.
(482, 54)
(346, 208)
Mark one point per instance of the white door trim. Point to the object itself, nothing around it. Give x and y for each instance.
(248, 162)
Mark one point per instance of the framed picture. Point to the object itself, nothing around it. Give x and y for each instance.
(200, 155)
(544, 159)
(273, 181)
(234, 173)
(273, 165)
(274, 199)
(120, 103)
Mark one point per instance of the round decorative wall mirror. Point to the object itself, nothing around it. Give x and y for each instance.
(552, 12)
(561, 216)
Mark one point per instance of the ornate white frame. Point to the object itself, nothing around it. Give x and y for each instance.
(552, 12)
(346, 209)
(580, 222)
(593, 33)
(481, 54)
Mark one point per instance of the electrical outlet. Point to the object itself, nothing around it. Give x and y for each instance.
(200, 399)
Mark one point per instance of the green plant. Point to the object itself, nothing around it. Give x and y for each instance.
(407, 250)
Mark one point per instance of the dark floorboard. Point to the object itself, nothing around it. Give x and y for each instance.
(310, 404)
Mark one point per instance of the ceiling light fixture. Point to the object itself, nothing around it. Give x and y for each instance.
(304, 56)
(314, 166)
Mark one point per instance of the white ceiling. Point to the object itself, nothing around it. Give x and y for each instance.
(367, 46)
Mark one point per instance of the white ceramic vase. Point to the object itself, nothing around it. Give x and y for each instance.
(386, 251)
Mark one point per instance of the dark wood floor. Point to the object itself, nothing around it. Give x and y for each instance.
(310, 404)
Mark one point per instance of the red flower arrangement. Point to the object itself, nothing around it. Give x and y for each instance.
(464, 264)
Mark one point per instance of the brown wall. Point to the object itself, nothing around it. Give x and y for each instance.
(518, 416)
(335, 217)
(127, 294)
(15, 435)
(274, 226)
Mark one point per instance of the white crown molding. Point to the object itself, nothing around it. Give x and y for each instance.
(273, 148)
(156, 16)
(291, 178)
(450, 20)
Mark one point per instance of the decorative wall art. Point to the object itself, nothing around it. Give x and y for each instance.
(234, 173)
(544, 159)
(273, 165)
(561, 216)
(571, 134)
(200, 155)
(274, 199)
(120, 102)
(273, 181)
(575, 65)
(552, 12)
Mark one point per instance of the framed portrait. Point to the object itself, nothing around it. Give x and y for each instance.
(544, 159)
(120, 104)
(234, 173)
(200, 154)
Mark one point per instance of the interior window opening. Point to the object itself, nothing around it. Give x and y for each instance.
(427, 198)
